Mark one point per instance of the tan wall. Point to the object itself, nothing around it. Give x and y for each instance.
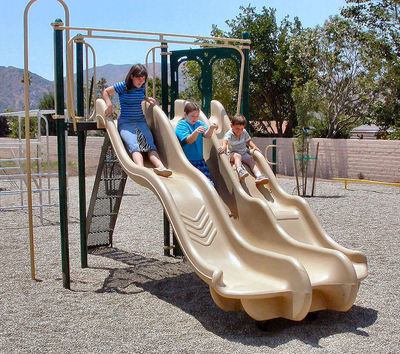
(93, 150)
(375, 159)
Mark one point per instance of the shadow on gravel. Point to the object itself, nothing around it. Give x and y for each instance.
(324, 196)
(175, 283)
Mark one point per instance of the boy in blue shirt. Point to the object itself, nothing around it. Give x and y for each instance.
(190, 132)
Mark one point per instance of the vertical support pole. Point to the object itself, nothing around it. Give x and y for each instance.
(62, 170)
(164, 79)
(81, 153)
(245, 91)
(177, 248)
(167, 240)
(274, 156)
(164, 103)
(306, 170)
(295, 169)
(28, 144)
(206, 85)
(315, 170)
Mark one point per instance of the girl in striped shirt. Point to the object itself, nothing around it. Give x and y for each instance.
(132, 124)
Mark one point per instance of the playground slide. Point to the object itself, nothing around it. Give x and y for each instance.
(291, 213)
(248, 261)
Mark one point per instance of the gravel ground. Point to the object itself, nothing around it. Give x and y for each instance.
(133, 299)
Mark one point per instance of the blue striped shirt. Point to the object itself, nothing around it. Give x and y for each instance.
(131, 103)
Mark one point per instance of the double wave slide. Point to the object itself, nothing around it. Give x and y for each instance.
(259, 249)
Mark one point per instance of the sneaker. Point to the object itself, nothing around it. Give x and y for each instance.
(162, 171)
(242, 173)
(262, 179)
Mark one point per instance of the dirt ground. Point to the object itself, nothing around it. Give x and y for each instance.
(134, 299)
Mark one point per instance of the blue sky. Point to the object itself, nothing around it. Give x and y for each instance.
(192, 17)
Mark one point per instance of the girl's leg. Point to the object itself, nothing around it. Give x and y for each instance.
(137, 158)
(155, 159)
(159, 167)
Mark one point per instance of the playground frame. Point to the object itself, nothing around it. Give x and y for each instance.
(81, 123)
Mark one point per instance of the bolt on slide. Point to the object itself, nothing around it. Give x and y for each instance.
(234, 240)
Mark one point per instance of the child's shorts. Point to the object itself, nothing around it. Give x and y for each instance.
(137, 137)
(246, 156)
(202, 166)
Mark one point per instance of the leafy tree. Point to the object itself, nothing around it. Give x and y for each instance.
(224, 83)
(15, 124)
(157, 93)
(345, 86)
(271, 73)
(378, 31)
(271, 77)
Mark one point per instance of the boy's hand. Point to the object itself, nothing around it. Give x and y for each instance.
(201, 129)
(222, 150)
(213, 126)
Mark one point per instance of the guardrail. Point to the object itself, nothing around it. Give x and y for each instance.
(346, 180)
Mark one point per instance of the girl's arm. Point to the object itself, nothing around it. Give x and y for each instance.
(151, 100)
(107, 98)
(210, 130)
(252, 145)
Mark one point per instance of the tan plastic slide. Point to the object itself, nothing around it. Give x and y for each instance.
(234, 238)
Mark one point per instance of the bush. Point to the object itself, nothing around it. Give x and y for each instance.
(4, 128)
(14, 127)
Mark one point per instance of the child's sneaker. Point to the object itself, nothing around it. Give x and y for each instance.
(162, 171)
(242, 173)
(262, 179)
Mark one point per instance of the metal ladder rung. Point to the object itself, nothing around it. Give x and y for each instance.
(109, 197)
(103, 215)
(99, 231)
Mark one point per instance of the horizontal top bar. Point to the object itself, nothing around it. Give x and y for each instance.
(160, 35)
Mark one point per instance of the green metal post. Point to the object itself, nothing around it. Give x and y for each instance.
(164, 103)
(167, 239)
(245, 91)
(274, 156)
(62, 170)
(164, 79)
(81, 153)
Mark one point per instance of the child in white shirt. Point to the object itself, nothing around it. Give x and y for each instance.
(235, 144)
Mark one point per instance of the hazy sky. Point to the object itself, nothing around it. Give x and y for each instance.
(193, 17)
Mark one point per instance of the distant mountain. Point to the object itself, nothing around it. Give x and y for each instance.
(114, 73)
(12, 89)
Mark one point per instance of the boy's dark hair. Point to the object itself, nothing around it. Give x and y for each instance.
(238, 119)
(137, 70)
(191, 107)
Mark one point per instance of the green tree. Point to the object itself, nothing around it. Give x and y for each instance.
(377, 26)
(271, 72)
(345, 86)
(271, 76)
